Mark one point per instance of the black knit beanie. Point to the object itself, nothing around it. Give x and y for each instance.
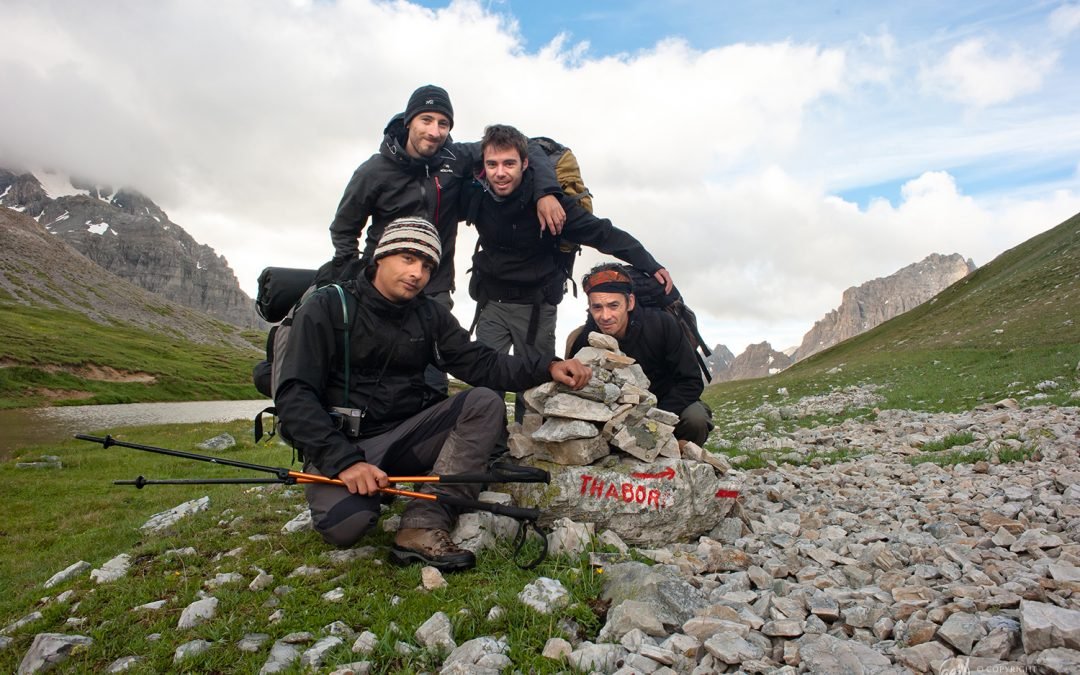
(429, 98)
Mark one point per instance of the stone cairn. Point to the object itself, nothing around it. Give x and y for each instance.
(614, 459)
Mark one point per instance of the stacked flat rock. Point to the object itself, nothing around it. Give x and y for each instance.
(615, 409)
(613, 457)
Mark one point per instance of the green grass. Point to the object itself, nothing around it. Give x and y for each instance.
(952, 458)
(43, 346)
(950, 441)
(58, 517)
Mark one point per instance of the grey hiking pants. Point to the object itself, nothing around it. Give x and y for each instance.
(503, 325)
(695, 423)
(451, 437)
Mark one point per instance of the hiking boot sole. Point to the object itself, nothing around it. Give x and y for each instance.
(404, 557)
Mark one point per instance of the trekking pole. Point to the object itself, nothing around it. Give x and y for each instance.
(526, 517)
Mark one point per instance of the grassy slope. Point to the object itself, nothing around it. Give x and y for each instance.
(997, 333)
(45, 344)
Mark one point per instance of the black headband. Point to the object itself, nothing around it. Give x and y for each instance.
(608, 281)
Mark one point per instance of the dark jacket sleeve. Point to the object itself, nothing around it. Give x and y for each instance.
(301, 396)
(584, 228)
(352, 212)
(687, 384)
(480, 365)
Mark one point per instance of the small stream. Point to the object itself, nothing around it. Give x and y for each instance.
(23, 427)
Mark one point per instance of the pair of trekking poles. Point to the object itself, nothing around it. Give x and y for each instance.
(526, 517)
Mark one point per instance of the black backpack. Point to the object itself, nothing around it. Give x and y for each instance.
(650, 293)
(568, 173)
(281, 292)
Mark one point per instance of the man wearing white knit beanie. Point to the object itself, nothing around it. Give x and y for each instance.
(394, 331)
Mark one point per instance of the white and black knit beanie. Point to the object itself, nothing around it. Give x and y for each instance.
(415, 235)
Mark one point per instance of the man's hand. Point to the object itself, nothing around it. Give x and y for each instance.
(551, 214)
(664, 279)
(572, 373)
(363, 478)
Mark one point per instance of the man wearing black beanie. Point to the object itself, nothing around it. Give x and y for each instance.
(418, 172)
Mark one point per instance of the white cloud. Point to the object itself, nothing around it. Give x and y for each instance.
(1065, 19)
(244, 121)
(971, 74)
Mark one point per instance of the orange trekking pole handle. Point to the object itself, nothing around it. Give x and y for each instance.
(288, 477)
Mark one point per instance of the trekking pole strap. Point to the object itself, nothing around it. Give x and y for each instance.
(519, 542)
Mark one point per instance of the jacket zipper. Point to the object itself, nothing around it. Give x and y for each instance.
(438, 201)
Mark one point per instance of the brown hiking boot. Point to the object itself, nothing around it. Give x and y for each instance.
(431, 547)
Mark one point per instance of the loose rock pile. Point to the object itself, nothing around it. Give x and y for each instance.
(874, 565)
(648, 491)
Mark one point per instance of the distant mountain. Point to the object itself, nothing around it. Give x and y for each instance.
(865, 306)
(41, 270)
(758, 360)
(126, 233)
(719, 361)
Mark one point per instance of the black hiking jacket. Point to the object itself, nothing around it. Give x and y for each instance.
(390, 346)
(654, 339)
(391, 184)
(516, 253)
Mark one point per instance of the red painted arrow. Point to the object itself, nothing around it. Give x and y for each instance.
(727, 494)
(666, 473)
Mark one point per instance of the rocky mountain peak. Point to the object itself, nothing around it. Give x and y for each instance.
(862, 307)
(865, 306)
(720, 360)
(138, 204)
(758, 360)
(128, 234)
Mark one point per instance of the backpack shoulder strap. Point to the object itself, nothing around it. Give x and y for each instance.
(346, 323)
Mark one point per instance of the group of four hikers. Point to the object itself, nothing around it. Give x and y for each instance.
(411, 196)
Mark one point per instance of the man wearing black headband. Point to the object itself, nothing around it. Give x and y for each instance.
(653, 338)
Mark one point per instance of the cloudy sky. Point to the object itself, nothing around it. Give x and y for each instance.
(770, 154)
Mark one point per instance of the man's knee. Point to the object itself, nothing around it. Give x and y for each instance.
(348, 529)
(482, 401)
(694, 425)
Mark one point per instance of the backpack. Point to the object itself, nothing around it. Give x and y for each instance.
(649, 292)
(568, 173)
(281, 293)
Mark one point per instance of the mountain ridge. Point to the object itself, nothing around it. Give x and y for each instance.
(128, 234)
(38, 269)
(862, 307)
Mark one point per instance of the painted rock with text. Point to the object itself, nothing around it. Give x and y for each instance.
(645, 503)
